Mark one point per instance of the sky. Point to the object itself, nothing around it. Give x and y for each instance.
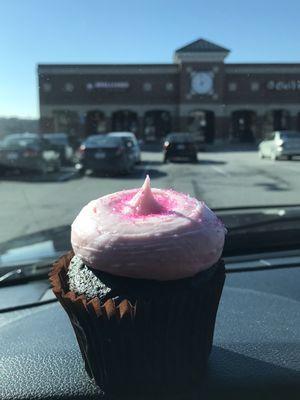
(129, 31)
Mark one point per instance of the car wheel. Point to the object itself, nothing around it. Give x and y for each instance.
(194, 159)
(273, 156)
(2, 171)
(289, 158)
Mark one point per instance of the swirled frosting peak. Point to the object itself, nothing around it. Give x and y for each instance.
(143, 202)
(148, 234)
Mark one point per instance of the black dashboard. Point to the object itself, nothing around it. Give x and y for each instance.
(255, 353)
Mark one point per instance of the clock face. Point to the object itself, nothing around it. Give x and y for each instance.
(202, 82)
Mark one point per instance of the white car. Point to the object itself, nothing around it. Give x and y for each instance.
(136, 146)
(280, 144)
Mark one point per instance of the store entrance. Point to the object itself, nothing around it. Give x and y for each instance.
(202, 125)
(95, 123)
(125, 120)
(157, 124)
(281, 120)
(243, 126)
(276, 120)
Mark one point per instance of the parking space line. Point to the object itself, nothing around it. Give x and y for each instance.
(220, 170)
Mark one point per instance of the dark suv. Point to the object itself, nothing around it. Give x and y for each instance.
(106, 153)
(28, 152)
(180, 145)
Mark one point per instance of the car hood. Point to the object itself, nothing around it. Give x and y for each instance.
(36, 247)
(246, 226)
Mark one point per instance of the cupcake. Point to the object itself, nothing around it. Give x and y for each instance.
(142, 287)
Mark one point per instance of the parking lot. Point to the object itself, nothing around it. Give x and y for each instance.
(31, 203)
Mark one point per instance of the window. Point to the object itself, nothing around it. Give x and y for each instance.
(69, 87)
(254, 86)
(290, 135)
(169, 86)
(232, 86)
(47, 87)
(147, 86)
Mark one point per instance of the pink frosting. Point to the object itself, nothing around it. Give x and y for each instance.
(148, 233)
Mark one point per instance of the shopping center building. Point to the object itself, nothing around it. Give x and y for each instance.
(199, 92)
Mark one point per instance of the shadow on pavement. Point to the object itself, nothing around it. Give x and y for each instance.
(138, 173)
(203, 162)
(217, 147)
(151, 162)
(212, 162)
(274, 187)
(231, 148)
(294, 159)
(64, 175)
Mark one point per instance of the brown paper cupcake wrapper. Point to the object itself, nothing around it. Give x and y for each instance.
(156, 344)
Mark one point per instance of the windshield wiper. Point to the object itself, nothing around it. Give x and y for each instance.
(9, 274)
(25, 273)
(259, 224)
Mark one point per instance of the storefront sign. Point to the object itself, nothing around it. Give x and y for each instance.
(284, 85)
(107, 85)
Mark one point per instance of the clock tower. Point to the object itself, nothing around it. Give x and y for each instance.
(201, 65)
(201, 84)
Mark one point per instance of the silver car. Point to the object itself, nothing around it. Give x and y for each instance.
(280, 144)
(136, 146)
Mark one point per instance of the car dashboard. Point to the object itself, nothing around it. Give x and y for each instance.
(255, 353)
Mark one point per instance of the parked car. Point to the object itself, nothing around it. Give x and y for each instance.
(180, 145)
(61, 141)
(28, 151)
(280, 144)
(136, 145)
(106, 153)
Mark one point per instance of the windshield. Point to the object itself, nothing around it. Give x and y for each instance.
(104, 141)
(290, 135)
(180, 137)
(13, 142)
(59, 140)
(96, 96)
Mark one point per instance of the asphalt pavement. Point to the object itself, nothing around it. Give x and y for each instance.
(31, 203)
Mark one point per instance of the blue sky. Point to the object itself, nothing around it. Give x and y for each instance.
(97, 31)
